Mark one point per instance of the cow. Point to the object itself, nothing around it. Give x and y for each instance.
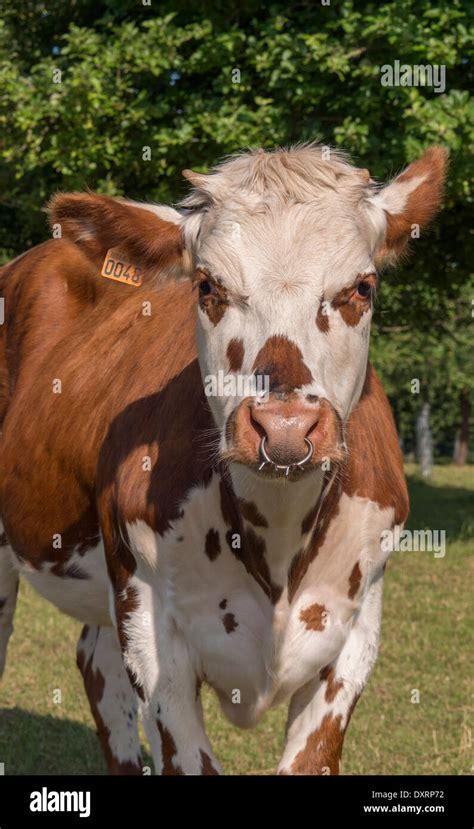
(228, 536)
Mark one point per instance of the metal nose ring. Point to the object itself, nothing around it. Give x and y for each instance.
(286, 467)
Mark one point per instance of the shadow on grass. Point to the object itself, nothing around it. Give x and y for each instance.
(44, 744)
(441, 507)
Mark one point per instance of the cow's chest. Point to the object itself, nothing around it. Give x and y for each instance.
(247, 640)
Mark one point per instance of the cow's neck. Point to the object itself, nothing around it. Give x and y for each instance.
(285, 507)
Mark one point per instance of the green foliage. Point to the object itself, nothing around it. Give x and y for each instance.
(195, 81)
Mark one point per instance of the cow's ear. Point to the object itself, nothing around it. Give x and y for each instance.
(410, 202)
(96, 223)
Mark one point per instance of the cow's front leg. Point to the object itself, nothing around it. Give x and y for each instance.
(159, 663)
(111, 698)
(320, 711)
(172, 710)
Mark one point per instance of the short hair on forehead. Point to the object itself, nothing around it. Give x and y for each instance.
(259, 182)
(298, 173)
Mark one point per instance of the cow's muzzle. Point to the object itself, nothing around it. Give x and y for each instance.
(284, 435)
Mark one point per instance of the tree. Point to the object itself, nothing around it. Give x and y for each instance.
(120, 97)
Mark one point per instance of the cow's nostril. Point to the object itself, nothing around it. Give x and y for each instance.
(257, 426)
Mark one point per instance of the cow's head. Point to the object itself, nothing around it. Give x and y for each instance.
(286, 248)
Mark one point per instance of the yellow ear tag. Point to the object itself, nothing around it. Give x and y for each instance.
(117, 267)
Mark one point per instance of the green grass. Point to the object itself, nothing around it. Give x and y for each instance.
(426, 645)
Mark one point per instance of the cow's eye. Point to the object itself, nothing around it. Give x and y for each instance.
(205, 287)
(364, 290)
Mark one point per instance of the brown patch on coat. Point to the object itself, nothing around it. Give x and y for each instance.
(228, 505)
(250, 512)
(322, 318)
(333, 687)
(256, 564)
(252, 546)
(206, 764)
(282, 361)
(314, 617)
(324, 673)
(323, 747)
(168, 751)
(229, 622)
(303, 558)
(223, 604)
(212, 545)
(354, 580)
(235, 354)
(374, 468)
(322, 750)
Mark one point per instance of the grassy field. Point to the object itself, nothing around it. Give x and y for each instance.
(426, 645)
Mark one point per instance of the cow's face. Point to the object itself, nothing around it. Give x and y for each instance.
(286, 247)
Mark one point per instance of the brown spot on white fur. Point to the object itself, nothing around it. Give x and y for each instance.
(206, 764)
(169, 751)
(251, 549)
(323, 748)
(322, 318)
(229, 622)
(314, 617)
(328, 512)
(354, 580)
(282, 362)
(235, 354)
(250, 512)
(212, 545)
(333, 686)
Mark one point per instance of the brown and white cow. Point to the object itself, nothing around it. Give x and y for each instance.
(235, 538)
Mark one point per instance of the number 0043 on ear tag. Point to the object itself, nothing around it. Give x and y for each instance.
(117, 267)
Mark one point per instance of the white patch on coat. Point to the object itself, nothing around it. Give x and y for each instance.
(84, 599)
(117, 706)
